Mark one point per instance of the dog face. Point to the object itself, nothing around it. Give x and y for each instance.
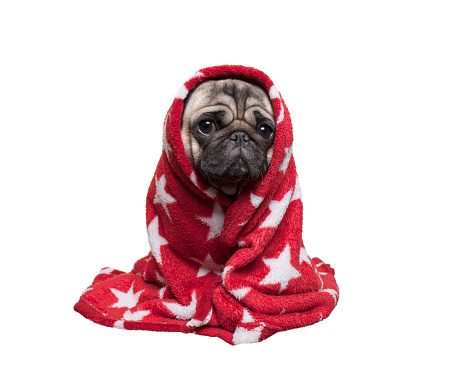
(228, 129)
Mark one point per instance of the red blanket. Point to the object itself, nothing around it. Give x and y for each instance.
(237, 270)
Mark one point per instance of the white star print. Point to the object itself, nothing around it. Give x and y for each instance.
(166, 146)
(86, 290)
(256, 200)
(196, 75)
(119, 324)
(240, 292)
(274, 94)
(135, 316)
(161, 279)
(196, 323)
(106, 271)
(281, 270)
(284, 165)
(208, 265)
(182, 92)
(224, 273)
(131, 316)
(281, 116)
(303, 256)
(161, 196)
(247, 317)
(156, 240)
(216, 222)
(277, 210)
(162, 291)
(243, 335)
(126, 299)
(183, 312)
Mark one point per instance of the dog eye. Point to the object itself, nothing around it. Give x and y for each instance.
(206, 126)
(265, 130)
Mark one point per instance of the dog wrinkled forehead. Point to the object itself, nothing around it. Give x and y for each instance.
(233, 95)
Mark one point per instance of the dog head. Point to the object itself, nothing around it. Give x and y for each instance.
(228, 129)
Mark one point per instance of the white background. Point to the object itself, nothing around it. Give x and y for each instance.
(373, 88)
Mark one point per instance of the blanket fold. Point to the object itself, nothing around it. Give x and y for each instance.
(238, 269)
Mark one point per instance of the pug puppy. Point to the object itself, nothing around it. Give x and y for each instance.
(228, 129)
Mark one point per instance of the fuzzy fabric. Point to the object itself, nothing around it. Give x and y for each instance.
(237, 270)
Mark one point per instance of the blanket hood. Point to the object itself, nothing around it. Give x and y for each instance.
(238, 269)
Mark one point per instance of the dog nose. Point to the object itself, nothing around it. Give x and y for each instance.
(239, 137)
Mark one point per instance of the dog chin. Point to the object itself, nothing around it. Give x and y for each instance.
(232, 177)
